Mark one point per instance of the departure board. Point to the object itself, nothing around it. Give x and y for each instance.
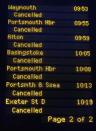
(47, 63)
